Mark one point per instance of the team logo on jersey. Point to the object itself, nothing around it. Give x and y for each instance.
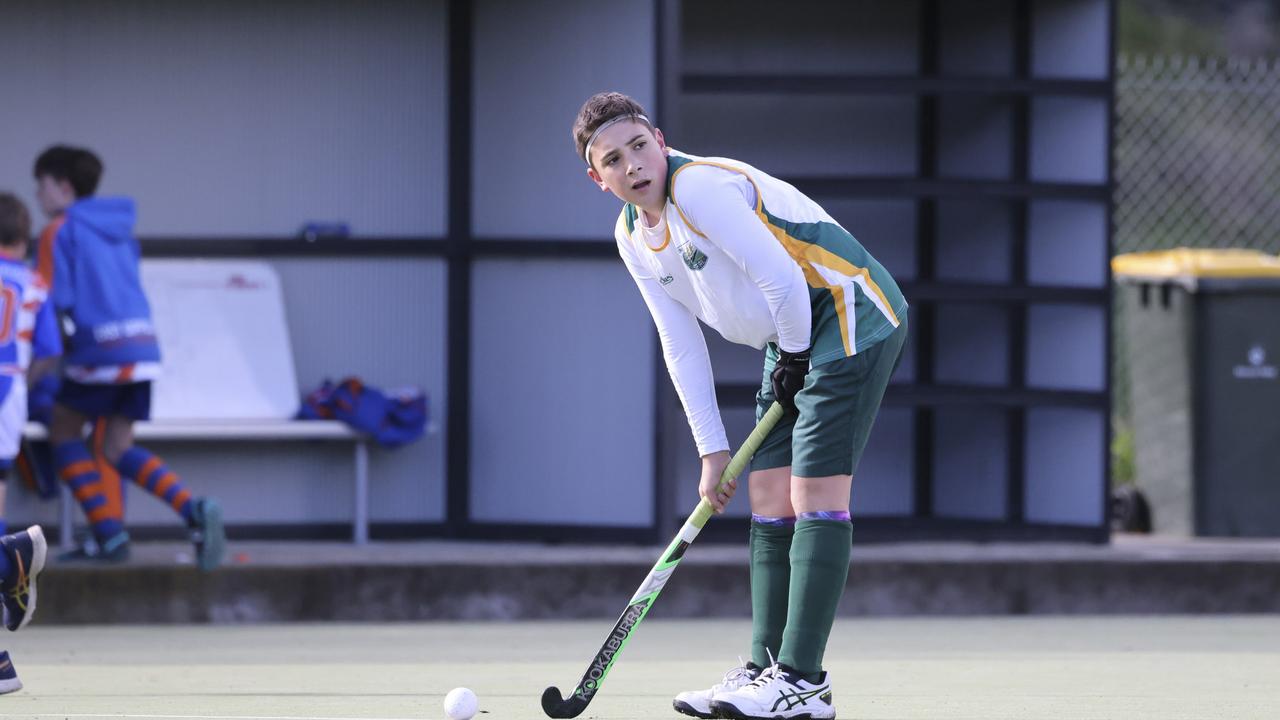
(667, 280)
(694, 259)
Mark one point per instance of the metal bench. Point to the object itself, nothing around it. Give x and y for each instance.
(244, 431)
(228, 369)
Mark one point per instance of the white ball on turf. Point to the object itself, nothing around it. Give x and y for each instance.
(460, 704)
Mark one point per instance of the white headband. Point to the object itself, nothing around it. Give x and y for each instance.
(586, 154)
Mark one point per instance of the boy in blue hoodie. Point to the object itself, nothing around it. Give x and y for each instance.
(90, 260)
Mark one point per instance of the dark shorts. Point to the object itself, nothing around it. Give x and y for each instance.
(131, 400)
(837, 407)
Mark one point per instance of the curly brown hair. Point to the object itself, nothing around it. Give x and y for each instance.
(598, 110)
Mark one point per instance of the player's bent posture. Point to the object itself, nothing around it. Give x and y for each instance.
(717, 240)
(90, 259)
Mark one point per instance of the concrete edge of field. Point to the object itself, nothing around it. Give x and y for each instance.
(439, 580)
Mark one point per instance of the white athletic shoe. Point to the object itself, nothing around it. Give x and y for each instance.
(698, 702)
(778, 695)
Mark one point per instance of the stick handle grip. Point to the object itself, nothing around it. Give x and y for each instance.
(703, 512)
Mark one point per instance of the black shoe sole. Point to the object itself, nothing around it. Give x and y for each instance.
(727, 710)
(685, 708)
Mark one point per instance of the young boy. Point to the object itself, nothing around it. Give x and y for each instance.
(29, 340)
(91, 261)
(717, 240)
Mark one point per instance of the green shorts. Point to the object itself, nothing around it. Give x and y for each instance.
(837, 407)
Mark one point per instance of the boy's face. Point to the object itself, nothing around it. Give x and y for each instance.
(54, 196)
(630, 160)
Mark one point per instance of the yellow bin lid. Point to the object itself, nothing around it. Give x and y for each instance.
(1187, 264)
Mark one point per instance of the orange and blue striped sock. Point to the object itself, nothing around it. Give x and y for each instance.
(150, 472)
(76, 468)
(112, 487)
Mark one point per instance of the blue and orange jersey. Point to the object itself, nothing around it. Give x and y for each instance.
(91, 259)
(28, 327)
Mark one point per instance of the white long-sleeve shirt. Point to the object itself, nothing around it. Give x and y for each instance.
(748, 289)
(726, 251)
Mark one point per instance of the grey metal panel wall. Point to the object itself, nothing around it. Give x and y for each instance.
(969, 469)
(978, 39)
(1067, 243)
(1069, 38)
(1069, 139)
(975, 238)
(884, 143)
(972, 345)
(561, 395)
(801, 36)
(1064, 455)
(384, 320)
(237, 118)
(882, 480)
(528, 88)
(1062, 347)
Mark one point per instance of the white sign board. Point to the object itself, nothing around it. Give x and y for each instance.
(224, 342)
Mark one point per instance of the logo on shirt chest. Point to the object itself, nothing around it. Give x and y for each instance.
(666, 279)
(694, 259)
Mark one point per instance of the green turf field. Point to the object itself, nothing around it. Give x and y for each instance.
(1163, 668)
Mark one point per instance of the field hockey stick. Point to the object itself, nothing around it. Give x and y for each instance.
(559, 707)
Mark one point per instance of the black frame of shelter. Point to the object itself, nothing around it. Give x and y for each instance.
(460, 251)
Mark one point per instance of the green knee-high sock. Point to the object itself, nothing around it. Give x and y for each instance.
(819, 568)
(770, 584)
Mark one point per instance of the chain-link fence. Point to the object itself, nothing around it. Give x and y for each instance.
(1197, 149)
(1197, 164)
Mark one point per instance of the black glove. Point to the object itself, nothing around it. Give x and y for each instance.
(787, 377)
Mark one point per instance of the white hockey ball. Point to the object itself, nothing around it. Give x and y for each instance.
(460, 704)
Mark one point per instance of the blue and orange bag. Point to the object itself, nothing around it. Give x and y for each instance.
(391, 418)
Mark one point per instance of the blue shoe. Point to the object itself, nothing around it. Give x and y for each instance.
(9, 681)
(26, 551)
(208, 534)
